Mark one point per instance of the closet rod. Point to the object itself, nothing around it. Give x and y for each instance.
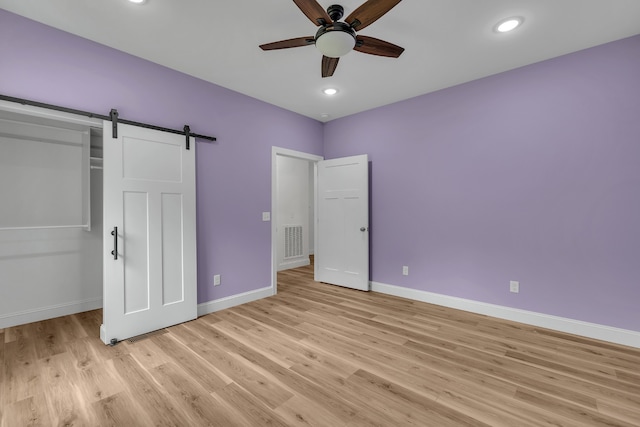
(45, 227)
(103, 117)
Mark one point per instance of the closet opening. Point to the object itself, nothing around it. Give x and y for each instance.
(50, 214)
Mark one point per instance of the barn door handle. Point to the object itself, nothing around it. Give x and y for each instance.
(114, 233)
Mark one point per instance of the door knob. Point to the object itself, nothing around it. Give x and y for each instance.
(363, 229)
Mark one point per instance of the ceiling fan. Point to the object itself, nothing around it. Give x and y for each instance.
(336, 38)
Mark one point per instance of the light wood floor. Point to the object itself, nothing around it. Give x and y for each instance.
(319, 355)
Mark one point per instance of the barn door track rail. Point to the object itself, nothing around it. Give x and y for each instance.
(113, 117)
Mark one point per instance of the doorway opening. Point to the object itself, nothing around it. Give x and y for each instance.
(293, 211)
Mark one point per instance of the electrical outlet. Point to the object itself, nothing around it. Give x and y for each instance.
(405, 270)
(266, 216)
(514, 286)
(216, 280)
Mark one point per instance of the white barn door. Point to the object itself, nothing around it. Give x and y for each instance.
(342, 229)
(150, 216)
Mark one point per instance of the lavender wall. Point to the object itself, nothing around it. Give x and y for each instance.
(233, 175)
(529, 175)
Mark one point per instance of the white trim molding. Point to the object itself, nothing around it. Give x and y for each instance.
(233, 300)
(49, 312)
(295, 263)
(571, 326)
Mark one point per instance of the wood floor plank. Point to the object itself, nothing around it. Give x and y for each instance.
(526, 376)
(428, 412)
(29, 412)
(615, 410)
(90, 321)
(582, 415)
(121, 409)
(289, 379)
(266, 319)
(301, 411)
(606, 379)
(255, 412)
(148, 354)
(156, 405)
(67, 406)
(97, 378)
(198, 406)
(317, 355)
(18, 332)
(350, 408)
(200, 370)
(231, 317)
(48, 339)
(499, 412)
(266, 390)
(628, 376)
(21, 373)
(274, 347)
(319, 319)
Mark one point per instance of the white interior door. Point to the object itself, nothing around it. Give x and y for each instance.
(149, 202)
(342, 229)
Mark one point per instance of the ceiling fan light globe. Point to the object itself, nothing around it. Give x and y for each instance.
(335, 41)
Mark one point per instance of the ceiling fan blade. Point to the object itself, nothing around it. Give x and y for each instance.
(314, 11)
(369, 12)
(285, 44)
(329, 66)
(378, 47)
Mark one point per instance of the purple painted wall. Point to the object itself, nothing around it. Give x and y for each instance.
(529, 175)
(233, 175)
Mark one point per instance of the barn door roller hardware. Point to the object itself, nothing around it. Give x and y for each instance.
(114, 122)
(186, 130)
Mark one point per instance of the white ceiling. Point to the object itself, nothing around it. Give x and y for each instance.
(447, 42)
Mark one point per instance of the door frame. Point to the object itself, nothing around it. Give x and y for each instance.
(284, 152)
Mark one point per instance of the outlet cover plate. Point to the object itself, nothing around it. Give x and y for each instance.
(514, 286)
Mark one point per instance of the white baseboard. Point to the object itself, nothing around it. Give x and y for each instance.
(232, 301)
(299, 262)
(576, 327)
(49, 312)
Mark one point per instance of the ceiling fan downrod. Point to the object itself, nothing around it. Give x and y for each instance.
(336, 12)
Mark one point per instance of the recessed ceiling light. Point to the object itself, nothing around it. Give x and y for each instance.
(138, 1)
(325, 115)
(330, 91)
(509, 24)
